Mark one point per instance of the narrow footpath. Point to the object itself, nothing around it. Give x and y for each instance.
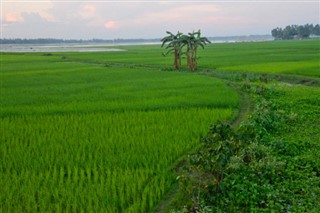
(246, 108)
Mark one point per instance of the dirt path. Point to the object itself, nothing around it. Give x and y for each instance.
(165, 203)
(246, 108)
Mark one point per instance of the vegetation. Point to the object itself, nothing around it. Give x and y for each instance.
(106, 132)
(259, 166)
(78, 136)
(277, 57)
(174, 44)
(193, 41)
(296, 31)
(267, 164)
(292, 57)
(177, 42)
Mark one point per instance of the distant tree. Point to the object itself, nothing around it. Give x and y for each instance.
(316, 30)
(277, 33)
(296, 32)
(293, 31)
(288, 33)
(305, 31)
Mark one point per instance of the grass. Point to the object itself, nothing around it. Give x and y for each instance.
(292, 57)
(79, 136)
(277, 57)
(66, 86)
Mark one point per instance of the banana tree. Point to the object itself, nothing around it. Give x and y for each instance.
(174, 45)
(193, 41)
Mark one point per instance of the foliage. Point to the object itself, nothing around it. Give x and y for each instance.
(175, 46)
(255, 168)
(177, 42)
(193, 41)
(296, 31)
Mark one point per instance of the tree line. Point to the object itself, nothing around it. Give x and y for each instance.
(296, 32)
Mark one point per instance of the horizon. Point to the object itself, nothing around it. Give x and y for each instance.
(115, 39)
(144, 20)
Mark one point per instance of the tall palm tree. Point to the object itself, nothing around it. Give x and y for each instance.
(175, 45)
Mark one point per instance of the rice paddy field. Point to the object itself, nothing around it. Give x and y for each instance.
(104, 131)
(85, 137)
(276, 57)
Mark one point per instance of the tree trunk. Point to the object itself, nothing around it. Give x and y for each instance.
(177, 59)
(192, 58)
(189, 59)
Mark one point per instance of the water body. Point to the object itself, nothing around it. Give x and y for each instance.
(57, 48)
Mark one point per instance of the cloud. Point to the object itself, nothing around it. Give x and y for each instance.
(94, 19)
(11, 17)
(110, 25)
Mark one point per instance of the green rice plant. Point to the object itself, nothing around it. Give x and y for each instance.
(80, 137)
(293, 57)
(278, 57)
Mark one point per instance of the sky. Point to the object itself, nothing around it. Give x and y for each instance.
(103, 19)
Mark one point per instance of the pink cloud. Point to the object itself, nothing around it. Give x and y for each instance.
(11, 17)
(110, 25)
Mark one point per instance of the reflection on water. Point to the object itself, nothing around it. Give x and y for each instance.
(56, 48)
